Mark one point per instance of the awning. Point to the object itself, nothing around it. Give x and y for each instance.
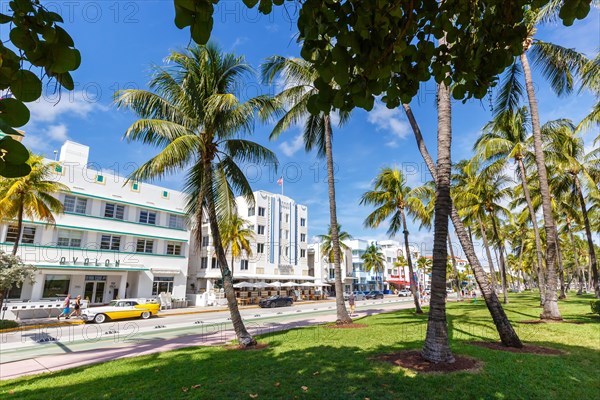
(165, 271)
(398, 282)
(217, 275)
(97, 268)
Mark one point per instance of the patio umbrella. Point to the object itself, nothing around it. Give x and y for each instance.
(260, 285)
(275, 284)
(289, 284)
(242, 285)
(323, 284)
(307, 284)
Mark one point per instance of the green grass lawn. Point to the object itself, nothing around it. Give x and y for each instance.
(336, 363)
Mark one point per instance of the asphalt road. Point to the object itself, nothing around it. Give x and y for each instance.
(200, 328)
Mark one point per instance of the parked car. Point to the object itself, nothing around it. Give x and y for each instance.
(404, 293)
(374, 294)
(276, 301)
(119, 309)
(358, 295)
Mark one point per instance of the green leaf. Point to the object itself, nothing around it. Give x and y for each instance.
(26, 86)
(65, 59)
(5, 19)
(21, 38)
(7, 129)
(250, 3)
(16, 170)
(66, 80)
(15, 152)
(183, 17)
(201, 30)
(14, 112)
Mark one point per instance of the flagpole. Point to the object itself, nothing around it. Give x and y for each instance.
(282, 185)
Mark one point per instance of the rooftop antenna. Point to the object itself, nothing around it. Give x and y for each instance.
(55, 155)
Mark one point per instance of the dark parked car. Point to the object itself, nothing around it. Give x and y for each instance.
(276, 301)
(374, 294)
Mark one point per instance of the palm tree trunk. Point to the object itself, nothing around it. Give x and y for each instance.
(19, 227)
(550, 310)
(561, 270)
(342, 313)
(502, 261)
(458, 296)
(413, 288)
(507, 334)
(488, 253)
(588, 234)
(520, 267)
(437, 348)
(576, 259)
(536, 231)
(244, 337)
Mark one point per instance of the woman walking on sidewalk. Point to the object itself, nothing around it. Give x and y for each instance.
(77, 310)
(66, 308)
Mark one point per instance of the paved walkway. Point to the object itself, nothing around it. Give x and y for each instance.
(52, 363)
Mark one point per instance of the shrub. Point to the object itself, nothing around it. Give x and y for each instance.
(595, 306)
(6, 324)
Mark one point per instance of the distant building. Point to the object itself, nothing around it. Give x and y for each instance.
(114, 240)
(324, 271)
(279, 248)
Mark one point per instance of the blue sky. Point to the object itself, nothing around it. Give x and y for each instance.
(119, 40)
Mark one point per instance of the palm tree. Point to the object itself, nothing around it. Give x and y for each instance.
(236, 236)
(506, 137)
(327, 244)
(191, 113)
(374, 260)
(392, 196)
(507, 334)
(559, 65)
(565, 152)
(299, 76)
(31, 195)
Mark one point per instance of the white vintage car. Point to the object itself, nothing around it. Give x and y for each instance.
(119, 309)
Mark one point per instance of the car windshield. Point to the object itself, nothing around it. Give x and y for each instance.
(113, 303)
(273, 298)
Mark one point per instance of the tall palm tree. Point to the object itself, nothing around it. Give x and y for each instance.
(506, 136)
(236, 236)
(299, 76)
(507, 334)
(559, 65)
(191, 113)
(31, 195)
(565, 151)
(374, 260)
(392, 196)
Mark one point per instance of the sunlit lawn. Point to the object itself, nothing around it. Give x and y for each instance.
(320, 363)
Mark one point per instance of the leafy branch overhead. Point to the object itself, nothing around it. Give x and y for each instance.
(40, 42)
(364, 49)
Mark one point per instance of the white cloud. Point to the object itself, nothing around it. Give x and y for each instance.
(57, 132)
(239, 41)
(44, 110)
(390, 120)
(290, 148)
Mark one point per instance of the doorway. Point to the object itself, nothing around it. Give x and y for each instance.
(94, 288)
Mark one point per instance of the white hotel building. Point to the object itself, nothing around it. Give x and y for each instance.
(113, 240)
(279, 247)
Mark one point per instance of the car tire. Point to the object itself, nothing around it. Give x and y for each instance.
(145, 315)
(273, 305)
(289, 303)
(99, 318)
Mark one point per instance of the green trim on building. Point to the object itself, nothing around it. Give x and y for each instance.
(86, 249)
(126, 202)
(98, 267)
(80, 228)
(122, 220)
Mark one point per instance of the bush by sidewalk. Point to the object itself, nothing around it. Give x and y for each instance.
(7, 324)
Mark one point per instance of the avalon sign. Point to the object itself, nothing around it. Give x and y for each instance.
(86, 261)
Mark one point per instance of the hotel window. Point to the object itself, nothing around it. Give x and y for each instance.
(251, 212)
(260, 248)
(389, 271)
(303, 237)
(287, 234)
(100, 179)
(67, 238)
(302, 253)
(173, 248)
(204, 241)
(135, 186)
(110, 242)
(147, 217)
(162, 284)
(116, 211)
(144, 246)
(214, 264)
(165, 194)
(75, 204)
(389, 259)
(203, 262)
(244, 265)
(287, 218)
(251, 227)
(261, 229)
(56, 285)
(261, 211)
(176, 221)
(58, 169)
(27, 236)
(286, 251)
(302, 222)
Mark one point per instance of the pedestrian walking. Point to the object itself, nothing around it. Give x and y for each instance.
(77, 306)
(66, 308)
(351, 303)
